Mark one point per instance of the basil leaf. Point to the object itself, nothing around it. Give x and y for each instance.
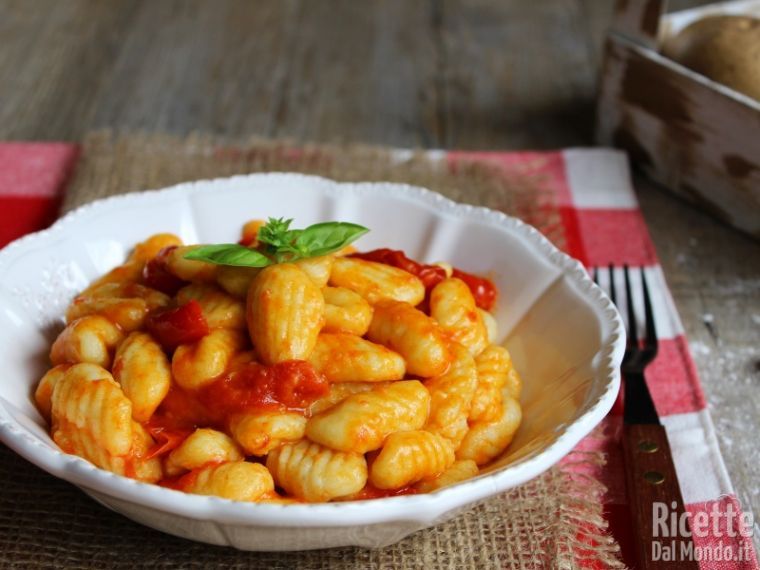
(229, 254)
(276, 233)
(327, 237)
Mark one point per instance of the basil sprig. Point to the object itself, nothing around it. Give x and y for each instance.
(229, 254)
(279, 244)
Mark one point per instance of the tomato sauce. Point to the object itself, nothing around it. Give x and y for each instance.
(483, 290)
(184, 481)
(287, 386)
(291, 385)
(172, 327)
(371, 492)
(156, 274)
(167, 439)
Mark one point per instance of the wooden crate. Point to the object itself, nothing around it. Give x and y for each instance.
(695, 136)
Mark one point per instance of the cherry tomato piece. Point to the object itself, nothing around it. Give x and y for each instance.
(167, 440)
(181, 325)
(156, 274)
(483, 290)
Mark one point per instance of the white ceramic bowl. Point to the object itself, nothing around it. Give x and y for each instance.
(565, 337)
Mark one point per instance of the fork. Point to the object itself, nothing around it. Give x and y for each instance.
(651, 481)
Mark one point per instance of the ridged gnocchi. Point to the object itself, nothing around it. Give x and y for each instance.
(411, 333)
(92, 418)
(362, 422)
(236, 280)
(410, 456)
(129, 314)
(190, 269)
(259, 433)
(195, 365)
(236, 480)
(495, 371)
(487, 440)
(460, 470)
(286, 368)
(124, 304)
(453, 306)
(43, 394)
(376, 281)
(88, 400)
(316, 473)
(339, 391)
(451, 397)
(202, 447)
(132, 269)
(150, 248)
(144, 373)
(285, 311)
(317, 268)
(349, 358)
(219, 309)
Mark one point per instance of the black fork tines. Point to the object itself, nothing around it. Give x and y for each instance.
(633, 337)
(613, 291)
(650, 341)
(638, 407)
(648, 347)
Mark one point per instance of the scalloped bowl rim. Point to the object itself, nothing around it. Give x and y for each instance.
(405, 507)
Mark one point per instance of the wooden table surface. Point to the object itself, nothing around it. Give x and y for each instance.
(476, 74)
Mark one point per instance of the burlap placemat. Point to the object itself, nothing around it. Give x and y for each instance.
(554, 521)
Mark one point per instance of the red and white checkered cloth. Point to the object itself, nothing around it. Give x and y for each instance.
(603, 225)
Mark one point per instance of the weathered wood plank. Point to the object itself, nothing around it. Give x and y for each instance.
(638, 20)
(186, 65)
(360, 71)
(52, 58)
(516, 74)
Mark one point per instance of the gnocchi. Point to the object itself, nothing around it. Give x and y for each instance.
(144, 373)
(346, 311)
(202, 447)
(376, 281)
(313, 472)
(306, 372)
(219, 309)
(413, 334)
(410, 456)
(285, 312)
(451, 397)
(495, 371)
(460, 470)
(260, 433)
(236, 480)
(453, 307)
(89, 339)
(350, 358)
(236, 280)
(487, 439)
(195, 365)
(124, 304)
(362, 422)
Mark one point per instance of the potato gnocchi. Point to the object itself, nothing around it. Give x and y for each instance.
(286, 368)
